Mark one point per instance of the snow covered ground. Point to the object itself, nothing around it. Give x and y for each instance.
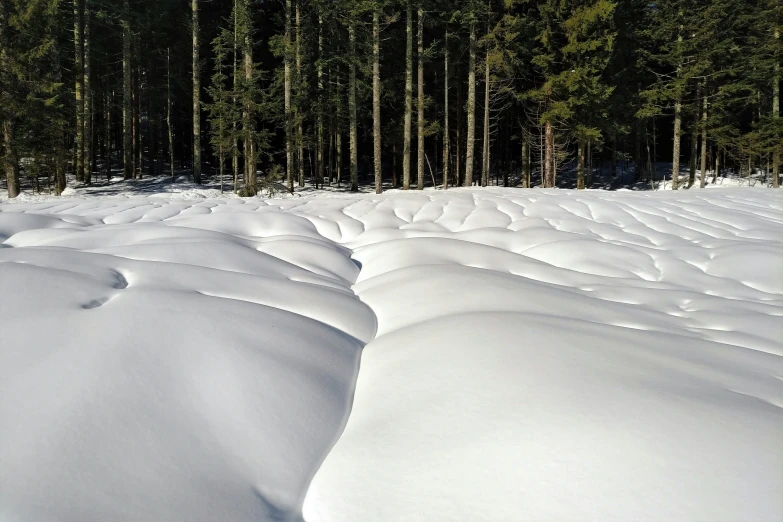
(525, 355)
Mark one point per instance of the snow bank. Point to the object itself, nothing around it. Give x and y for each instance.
(533, 355)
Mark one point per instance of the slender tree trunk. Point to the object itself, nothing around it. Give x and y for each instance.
(695, 138)
(196, 99)
(249, 140)
(11, 160)
(468, 181)
(446, 135)
(776, 115)
(458, 150)
(78, 44)
(485, 155)
(168, 112)
(354, 151)
(320, 109)
(717, 166)
(127, 110)
(137, 117)
(289, 146)
(549, 156)
(420, 104)
(107, 136)
(525, 157)
(703, 177)
(339, 156)
(235, 59)
(406, 146)
(677, 139)
(88, 108)
(580, 168)
(299, 86)
(376, 99)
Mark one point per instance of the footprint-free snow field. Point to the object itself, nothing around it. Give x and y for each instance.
(482, 355)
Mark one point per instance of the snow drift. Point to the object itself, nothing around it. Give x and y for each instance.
(533, 355)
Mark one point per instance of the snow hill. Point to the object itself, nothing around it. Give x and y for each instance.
(525, 355)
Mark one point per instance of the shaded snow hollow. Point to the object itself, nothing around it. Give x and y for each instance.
(530, 355)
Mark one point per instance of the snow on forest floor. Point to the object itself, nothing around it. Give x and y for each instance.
(525, 355)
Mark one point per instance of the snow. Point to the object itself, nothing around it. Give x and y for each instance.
(525, 355)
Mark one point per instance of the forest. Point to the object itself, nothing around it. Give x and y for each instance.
(252, 94)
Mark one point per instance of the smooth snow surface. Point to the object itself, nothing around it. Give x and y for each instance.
(533, 356)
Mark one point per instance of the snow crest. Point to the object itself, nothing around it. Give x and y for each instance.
(533, 355)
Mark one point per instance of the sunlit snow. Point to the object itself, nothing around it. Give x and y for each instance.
(482, 355)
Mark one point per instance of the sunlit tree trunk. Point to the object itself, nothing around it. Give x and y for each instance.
(549, 155)
(703, 177)
(776, 115)
(580, 168)
(485, 155)
(88, 103)
(471, 108)
(196, 99)
(354, 150)
(235, 147)
(168, 112)
(446, 112)
(78, 45)
(11, 160)
(525, 157)
(289, 146)
(420, 104)
(248, 127)
(677, 140)
(300, 84)
(127, 109)
(376, 99)
(320, 110)
(406, 146)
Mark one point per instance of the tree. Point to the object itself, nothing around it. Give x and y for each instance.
(196, 98)
(420, 104)
(376, 98)
(406, 146)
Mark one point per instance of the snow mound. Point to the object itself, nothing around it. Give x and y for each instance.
(530, 355)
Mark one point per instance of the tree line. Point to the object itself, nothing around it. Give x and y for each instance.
(318, 92)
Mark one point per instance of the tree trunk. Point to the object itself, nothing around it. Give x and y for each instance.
(339, 156)
(299, 85)
(320, 109)
(525, 158)
(11, 161)
(289, 146)
(247, 126)
(717, 166)
(458, 150)
(235, 145)
(695, 139)
(78, 44)
(196, 100)
(127, 110)
(776, 115)
(354, 151)
(468, 180)
(485, 155)
(107, 137)
(88, 104)
(580, 167)
(446, 112)
(420, 104)
(376, 99)
(549, 156)
(703, 177)
(677, 139)
(406, 146)
(168, 112)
